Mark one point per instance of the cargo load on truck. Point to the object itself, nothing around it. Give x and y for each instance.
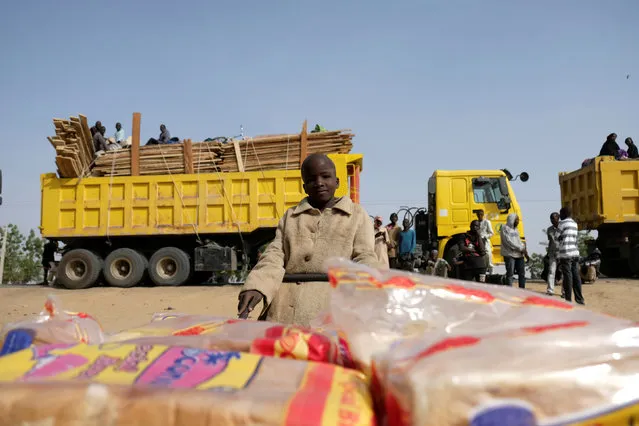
(76, 155)
(177, 213)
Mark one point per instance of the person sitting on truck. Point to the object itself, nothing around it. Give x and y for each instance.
(407, 242)
(321, 226)
(393, 232)
(119, 134)
(473, 255)
(99, 141)
(96, 128)
(610, 147)
(164, 137)
(633, 152)
(513, 250)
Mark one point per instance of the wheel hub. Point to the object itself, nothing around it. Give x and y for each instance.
(166, 268)
(76, 269)
(121, 268)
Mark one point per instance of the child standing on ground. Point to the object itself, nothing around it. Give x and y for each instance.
(319, 227)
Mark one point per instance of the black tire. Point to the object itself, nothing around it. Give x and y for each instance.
(169, 266)
(124, 268)
(78, 269)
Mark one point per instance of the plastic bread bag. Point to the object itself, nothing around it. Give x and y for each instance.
(258, 337)
(376, 308)
(126, 384)
(52, 325)
(571, 373)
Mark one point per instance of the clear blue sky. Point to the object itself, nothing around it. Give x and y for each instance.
(532, 86)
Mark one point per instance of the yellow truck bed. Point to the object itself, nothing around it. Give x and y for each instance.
(604, 192)
(211, 203)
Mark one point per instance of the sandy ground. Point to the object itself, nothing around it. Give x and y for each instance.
(118, 309)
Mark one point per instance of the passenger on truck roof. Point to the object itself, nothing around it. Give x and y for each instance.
(119, 133)
(164, 137)
(96, 128)
(321, 226)
(633, 152)
(610, 146)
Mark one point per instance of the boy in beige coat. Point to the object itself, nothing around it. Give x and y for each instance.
(319, 227)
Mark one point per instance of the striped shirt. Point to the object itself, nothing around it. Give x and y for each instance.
(568, 233)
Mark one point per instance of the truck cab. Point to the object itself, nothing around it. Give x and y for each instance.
(454, 196)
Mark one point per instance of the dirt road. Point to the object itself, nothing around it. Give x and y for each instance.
(118, 309)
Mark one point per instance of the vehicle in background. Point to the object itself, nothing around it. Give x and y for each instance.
(454, 197)
(604, 196)
(171, 226)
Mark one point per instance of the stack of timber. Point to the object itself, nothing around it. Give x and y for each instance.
(73, 146)
(282, 152)
(162, 159)
(269, 152)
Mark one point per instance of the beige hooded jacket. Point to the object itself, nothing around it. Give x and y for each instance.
(305, 238)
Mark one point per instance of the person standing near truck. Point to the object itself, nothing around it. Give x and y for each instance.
(407, 244)
(473, 255)
(553, 234)
(569, 256)
(382, 242)
(321, 226)
(486, 232)
(48, 259)
(393, 234)
(513, 250)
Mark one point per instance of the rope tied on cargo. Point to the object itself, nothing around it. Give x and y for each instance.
(177, 189)
(108, 221)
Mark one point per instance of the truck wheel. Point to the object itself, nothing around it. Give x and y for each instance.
(124, 268)
(78, 269)
(169, 266)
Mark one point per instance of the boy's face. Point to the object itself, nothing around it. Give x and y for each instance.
(320, 182)
(406, 223)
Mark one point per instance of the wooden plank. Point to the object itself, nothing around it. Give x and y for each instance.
(86, 133)
(135, 146)
(188, 156)
(238, 156)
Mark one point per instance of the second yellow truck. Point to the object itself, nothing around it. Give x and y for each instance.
(604, 196)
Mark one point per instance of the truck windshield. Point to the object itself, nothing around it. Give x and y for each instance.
(487, 190)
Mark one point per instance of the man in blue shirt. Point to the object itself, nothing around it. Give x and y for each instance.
(407, 244)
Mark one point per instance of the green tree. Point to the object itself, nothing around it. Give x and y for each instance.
(12, 258)
(22, 262)
(536, 265)
(32, 258)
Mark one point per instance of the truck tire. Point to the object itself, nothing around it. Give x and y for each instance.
(124, 268)
(169, 266)
(79, 269)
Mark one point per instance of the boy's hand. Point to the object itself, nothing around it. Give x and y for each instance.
(247, 301)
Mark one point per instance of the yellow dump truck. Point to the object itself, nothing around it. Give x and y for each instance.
(604, 196)
(170, 226)
(454, 196)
